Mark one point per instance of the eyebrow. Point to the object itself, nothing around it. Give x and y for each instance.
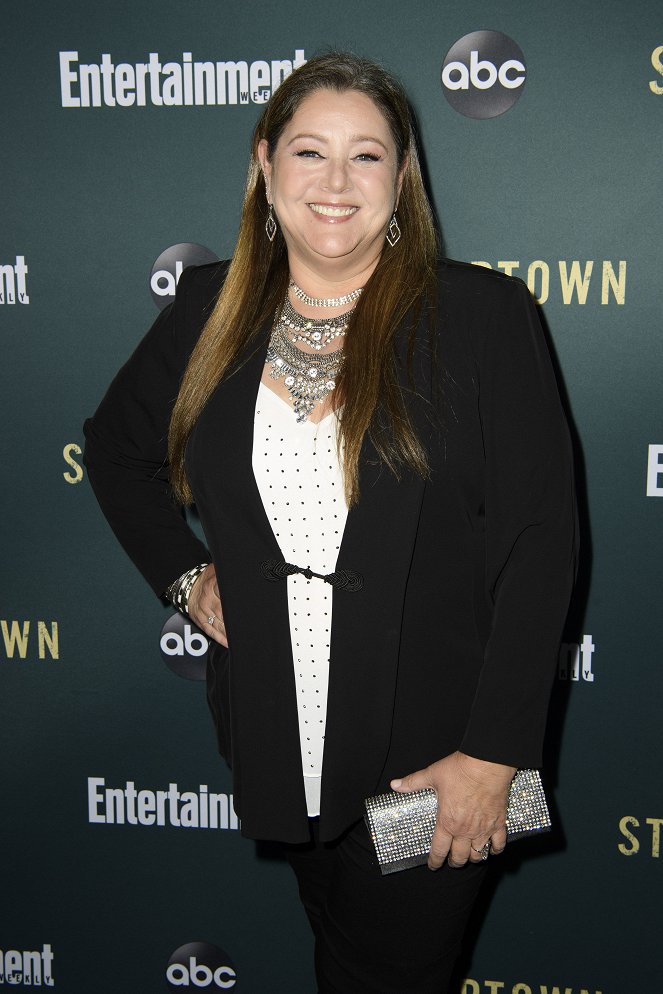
(356, 139)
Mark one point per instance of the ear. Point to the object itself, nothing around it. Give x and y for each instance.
(266, 166)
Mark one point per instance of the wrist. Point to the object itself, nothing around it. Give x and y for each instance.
(178, 593)
(486, 768)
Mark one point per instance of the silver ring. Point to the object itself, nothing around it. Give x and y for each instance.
(210, 620)
(484, 852)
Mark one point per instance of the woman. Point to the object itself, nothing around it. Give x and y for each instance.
(375, 446)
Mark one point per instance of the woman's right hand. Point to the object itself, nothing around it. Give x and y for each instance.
(204, 606)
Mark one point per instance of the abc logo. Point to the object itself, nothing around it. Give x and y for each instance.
(184, 648)
(483, 74)
(167, 269)
(199, 964)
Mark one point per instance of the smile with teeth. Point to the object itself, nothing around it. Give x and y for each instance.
(330, 211)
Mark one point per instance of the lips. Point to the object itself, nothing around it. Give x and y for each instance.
(329, 210)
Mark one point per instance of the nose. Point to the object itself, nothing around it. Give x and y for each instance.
(336, 178)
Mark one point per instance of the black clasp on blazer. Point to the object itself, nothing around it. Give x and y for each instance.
(342, 579)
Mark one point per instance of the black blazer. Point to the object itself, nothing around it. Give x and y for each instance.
(452, 641)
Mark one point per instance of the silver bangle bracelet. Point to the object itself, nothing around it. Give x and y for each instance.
(178, 592)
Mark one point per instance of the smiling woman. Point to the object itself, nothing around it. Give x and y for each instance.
(375, 445)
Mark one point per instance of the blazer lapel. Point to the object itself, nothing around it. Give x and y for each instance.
(261, 709)
(231, 411)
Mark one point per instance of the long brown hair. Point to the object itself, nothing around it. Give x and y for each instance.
(369, 398)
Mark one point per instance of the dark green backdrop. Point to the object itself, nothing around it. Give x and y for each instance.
(91, 197)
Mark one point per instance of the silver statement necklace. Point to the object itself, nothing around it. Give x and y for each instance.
(314, 332)
(347, 298)
(309, 377)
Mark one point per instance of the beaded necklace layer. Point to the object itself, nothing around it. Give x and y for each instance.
(347, 298)
(315, 332)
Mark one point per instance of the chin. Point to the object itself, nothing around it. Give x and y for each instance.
(335, 249)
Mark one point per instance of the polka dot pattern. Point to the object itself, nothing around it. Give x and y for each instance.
(301, 485)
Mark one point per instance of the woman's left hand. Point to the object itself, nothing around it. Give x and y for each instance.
(472, 797)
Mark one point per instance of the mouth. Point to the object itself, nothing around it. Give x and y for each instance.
(329, 210)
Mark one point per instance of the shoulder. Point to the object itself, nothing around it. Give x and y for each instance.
(463, 283)
(173, 335)
(197, 291)
(199, 286)
(481, 310)
(479, 299)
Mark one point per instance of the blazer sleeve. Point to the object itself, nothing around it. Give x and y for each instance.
(126, 449)
(531, 533)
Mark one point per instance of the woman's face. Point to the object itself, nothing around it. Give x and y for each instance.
(334, 182)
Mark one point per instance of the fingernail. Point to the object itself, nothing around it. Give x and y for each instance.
(395, 784)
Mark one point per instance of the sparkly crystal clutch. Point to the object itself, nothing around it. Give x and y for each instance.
(401, 825)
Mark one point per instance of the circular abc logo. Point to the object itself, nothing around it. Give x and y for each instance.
(483, 74)
(199, 964)
(184, 648)
(167, 269)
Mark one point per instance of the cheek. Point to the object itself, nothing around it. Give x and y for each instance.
(289, 184)
(381, 192)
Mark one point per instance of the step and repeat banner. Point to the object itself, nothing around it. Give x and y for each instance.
(126, 130)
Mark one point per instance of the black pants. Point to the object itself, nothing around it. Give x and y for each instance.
(374, 934)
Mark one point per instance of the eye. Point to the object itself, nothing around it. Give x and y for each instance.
(308, 153)
(367, 157)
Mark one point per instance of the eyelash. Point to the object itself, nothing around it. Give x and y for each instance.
(306, 153)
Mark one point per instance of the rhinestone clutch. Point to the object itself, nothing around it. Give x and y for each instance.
(401, 825)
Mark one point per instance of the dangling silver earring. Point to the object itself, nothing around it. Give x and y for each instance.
(393, 231)
(270, 224)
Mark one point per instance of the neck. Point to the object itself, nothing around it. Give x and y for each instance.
(326, 284)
